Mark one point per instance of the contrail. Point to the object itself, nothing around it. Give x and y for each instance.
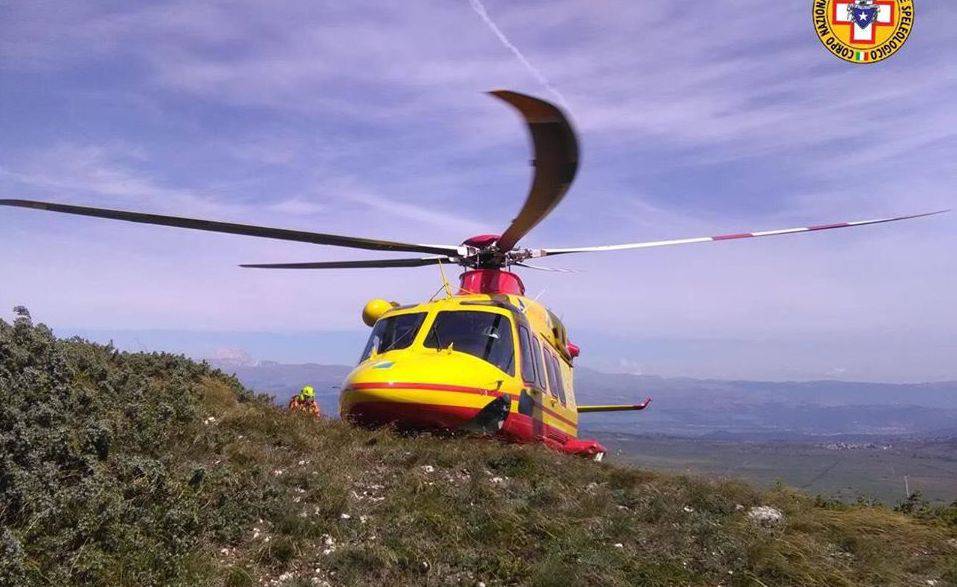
(479, 9)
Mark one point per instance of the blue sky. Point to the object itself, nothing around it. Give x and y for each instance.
(368, 118)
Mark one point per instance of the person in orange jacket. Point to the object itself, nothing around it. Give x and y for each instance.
(305, 401)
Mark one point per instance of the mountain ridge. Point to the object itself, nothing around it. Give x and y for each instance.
(696, 407)
(148, 468)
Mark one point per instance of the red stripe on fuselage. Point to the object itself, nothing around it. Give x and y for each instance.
(518, 427)
(410, 415)
(556, 415)
(453, 388)
(429, 386)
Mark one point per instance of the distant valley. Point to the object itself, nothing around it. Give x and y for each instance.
(718, 409)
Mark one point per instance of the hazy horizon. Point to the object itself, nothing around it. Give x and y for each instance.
(341, 348)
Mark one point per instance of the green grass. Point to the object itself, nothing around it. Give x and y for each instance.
(112, 472)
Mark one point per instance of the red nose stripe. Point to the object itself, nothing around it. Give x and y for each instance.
(429, 386)
(423, 415)
(453, 388)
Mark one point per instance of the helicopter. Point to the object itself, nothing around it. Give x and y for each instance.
(485, 358)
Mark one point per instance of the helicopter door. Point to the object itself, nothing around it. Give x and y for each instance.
(533, 375)
(556, 397)
(538, 393)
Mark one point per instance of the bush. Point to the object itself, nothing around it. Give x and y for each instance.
(89, 489)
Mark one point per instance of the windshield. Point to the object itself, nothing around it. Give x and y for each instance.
(485, 335)
(394, 332)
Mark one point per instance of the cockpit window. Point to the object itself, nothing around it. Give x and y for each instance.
(484, 335)
(392, 333)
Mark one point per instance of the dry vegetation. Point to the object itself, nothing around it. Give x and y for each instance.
(137, 469)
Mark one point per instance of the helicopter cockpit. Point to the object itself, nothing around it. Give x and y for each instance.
(484, 334)
(393, 333)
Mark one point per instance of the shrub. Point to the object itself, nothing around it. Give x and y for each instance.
(89, 488)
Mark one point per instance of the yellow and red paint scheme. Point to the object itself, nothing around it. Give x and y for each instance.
(420, 387)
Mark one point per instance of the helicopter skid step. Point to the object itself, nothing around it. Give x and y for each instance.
(588, 448)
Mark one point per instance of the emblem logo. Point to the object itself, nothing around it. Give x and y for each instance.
(863, 31)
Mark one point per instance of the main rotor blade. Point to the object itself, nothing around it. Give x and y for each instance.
(353, 264)
(231, 228)
(540, 268)
(724, 237)
(556, 162)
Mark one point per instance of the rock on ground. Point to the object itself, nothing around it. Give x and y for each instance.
(765, 516)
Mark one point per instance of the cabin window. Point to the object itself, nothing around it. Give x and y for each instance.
(555, 382)
(528, 364)
(484, 335)
(539, 366)
(393, 333)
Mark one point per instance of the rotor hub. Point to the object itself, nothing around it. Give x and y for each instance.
(490, 281)
(483, 252)
(481, 241)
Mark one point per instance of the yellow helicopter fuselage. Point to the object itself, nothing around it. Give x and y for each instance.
(439, 364)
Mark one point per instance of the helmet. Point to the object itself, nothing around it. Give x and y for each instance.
(307, 393)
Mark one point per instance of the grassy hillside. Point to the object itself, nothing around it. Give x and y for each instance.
(119, 468)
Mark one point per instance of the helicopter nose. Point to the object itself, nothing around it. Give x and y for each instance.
(377, 395)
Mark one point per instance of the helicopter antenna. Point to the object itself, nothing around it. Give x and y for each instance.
(437, 292)
(445, 281)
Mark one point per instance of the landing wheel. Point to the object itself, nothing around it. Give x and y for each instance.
(599, 456)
